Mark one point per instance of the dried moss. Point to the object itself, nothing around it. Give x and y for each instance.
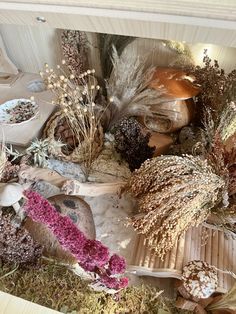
(57, 287)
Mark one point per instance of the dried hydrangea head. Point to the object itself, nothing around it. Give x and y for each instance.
(173, 194)
(200, 279)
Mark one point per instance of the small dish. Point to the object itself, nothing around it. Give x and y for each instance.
(12, 112)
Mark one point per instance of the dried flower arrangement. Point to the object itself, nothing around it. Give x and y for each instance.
(16, 244)
(92, 255)
(176, 192)
(78, 113)
(132, 143)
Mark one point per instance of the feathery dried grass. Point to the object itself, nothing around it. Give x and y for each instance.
(127, 87)
(173, 193)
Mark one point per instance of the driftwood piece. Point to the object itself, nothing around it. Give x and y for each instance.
(29, 174)
(73, 187)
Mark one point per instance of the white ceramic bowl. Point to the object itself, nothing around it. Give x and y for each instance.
(10, 104)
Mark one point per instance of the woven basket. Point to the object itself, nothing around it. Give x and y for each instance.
(57, 128)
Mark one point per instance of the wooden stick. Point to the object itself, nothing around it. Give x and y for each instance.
(73, 187)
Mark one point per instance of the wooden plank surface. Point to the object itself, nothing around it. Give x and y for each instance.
(212, 8)
(183, 20)
(10, 304)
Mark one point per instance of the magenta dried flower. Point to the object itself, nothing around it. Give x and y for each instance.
(114, 282)
(97, 254)
(117, 264)
(92, 255)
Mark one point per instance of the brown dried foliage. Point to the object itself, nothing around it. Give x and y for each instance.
(218, 88)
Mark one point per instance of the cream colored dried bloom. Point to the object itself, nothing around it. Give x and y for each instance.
(173, 193)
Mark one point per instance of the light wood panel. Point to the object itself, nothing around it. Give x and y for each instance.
(13, 305)
(29, 47)
(211, 8)
(179, 20)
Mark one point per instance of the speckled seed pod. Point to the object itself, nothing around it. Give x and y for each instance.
(199, 279)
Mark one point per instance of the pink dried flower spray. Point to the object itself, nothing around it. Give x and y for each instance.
(92, 255)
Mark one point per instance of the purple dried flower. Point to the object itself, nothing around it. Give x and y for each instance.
(97, 254)
(114, 283)
(117, 264)
(92, 255)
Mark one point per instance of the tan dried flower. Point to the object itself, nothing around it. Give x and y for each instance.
(173, 193)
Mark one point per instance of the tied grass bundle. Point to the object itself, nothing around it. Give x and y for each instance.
(173, 193)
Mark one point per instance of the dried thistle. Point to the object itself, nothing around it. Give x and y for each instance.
(74, 49)
(82, 114)
(173, 193)
(127, 87)
(38, 152)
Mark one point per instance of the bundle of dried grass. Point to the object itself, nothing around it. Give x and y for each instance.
(173, 193)
(127, 87)
(78, 108)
